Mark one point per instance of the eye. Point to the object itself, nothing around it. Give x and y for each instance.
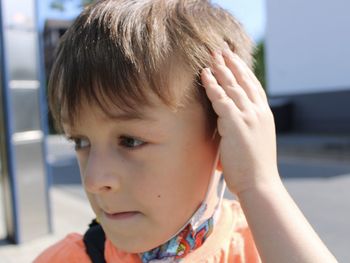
(130, 142)
(79, 143)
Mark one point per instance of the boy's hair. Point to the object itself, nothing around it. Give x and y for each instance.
(118, 52)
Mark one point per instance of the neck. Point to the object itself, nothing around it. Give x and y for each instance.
(196, 230)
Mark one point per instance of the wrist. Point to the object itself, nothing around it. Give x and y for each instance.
(263, 185)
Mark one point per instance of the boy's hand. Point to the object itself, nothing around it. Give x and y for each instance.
(245, 123)
(248, 157)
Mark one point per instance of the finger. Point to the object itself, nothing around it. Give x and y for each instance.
(243, 75)
(238, 95)
(260, 88)
(222, 73)
(227, 81)
(223, 105)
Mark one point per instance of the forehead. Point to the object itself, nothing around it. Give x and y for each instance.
(107, 113)
(114, 103)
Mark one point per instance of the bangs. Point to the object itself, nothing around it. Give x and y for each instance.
(101, 73)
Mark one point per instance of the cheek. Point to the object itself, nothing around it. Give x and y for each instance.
(93, 203)
(174, 188)
(82, 160)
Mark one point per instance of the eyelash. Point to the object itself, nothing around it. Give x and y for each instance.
(123, 141)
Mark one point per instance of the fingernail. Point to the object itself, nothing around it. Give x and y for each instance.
(226, 46)
(218, 55)
(207, 70)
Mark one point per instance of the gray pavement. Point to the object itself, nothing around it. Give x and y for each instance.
(315, 170)
(325, 203)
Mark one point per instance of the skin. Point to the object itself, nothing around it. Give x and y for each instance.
(146, 165)
(248, 157)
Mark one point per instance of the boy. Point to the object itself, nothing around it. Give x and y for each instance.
(151, 94)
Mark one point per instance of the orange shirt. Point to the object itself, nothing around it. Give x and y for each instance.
(230, 242)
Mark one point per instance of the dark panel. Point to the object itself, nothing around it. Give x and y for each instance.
(327, 112)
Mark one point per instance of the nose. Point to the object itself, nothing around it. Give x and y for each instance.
(100, 172)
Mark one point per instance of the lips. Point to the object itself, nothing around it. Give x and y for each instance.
(121, 215)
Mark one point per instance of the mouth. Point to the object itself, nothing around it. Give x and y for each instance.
(122, 215)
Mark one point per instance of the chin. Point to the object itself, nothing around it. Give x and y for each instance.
(138, 243)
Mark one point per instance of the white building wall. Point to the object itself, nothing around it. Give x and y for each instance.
(307, 46)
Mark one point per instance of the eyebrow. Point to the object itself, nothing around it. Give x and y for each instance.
(125, 116)
(130, 116)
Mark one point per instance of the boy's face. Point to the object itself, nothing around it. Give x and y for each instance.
(144, 176)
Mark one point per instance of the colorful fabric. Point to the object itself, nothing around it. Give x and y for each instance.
(182, 244)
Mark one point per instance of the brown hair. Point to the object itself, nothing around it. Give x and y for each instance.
(117, 51)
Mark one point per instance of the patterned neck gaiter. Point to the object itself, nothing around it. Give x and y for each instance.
(179, 246)
(194, 232)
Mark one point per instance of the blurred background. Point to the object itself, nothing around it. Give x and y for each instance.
(302, 58)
